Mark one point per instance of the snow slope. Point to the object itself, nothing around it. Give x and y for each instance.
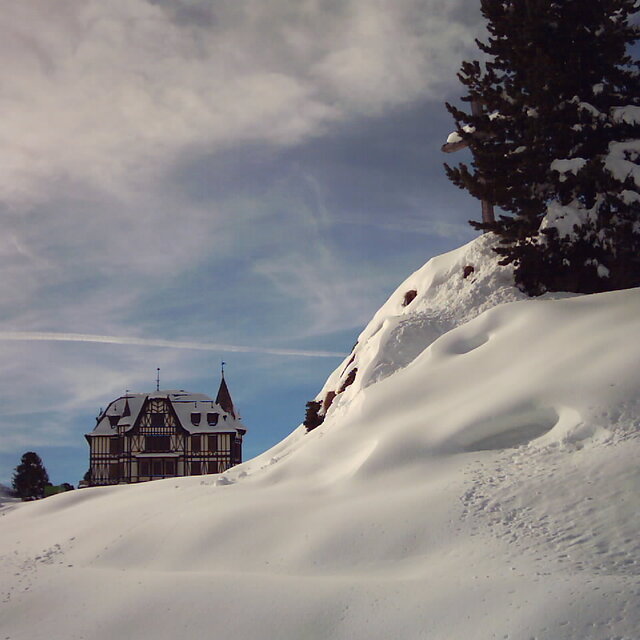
(477, 479)
(6, 496)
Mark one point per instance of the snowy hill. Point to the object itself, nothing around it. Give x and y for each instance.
(6, 497)
(476, 477)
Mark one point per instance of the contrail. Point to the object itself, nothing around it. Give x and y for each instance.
(150, 342)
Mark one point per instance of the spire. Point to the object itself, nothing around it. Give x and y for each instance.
(158, 380)
(224, 397)
(126, 411)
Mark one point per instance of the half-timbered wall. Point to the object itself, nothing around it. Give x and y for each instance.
(157, 446)
(104, 460)
(157, 443)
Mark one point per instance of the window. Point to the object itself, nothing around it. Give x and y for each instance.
(115, 446)
(157, 468)
(114, 471)
(213, 444)
(196, 469)
(157, 419)
(195, 418)
(212, 419)
(196, 444)
(157, 443)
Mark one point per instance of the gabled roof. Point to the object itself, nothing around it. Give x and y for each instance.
(191, 409)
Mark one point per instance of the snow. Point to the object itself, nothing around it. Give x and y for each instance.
(628, 114)
(595, 113)
(7, 498)
(565, 218)
(622, 161)
(568, 165)
(454, 137)
(445, 299)
(478, 479)
(629, 197)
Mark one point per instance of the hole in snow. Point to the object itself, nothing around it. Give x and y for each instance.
(460, 345)
(508, 431)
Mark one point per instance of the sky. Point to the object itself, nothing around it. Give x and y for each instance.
(189, 181)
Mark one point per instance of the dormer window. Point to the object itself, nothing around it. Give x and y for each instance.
(195, 418)
(212, 419)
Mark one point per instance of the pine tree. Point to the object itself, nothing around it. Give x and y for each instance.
(30, 477)
(555, 143)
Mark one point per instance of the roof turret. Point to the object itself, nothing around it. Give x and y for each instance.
(224, 398)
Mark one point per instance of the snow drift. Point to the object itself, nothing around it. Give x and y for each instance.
(476, 478)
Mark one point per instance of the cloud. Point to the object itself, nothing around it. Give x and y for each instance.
(321, 289)
(108, 94)
(171, 344)
(102, 101)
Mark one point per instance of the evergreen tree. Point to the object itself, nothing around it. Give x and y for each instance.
(555, 143)
(30, 477)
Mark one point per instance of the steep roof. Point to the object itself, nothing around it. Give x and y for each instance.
(224, 398)
(191, 409)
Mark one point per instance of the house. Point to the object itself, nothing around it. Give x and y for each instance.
(165, 434)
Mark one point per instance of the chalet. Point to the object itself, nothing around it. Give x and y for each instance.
(165, 434)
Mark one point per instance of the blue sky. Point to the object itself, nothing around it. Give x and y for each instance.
(258, 173)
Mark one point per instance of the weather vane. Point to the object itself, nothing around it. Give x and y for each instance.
(222, 362)
(158, 380)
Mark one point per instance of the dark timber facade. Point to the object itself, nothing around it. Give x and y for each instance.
(165, 434)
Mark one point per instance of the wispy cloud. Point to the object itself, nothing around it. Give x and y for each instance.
(48, 336)
(109, 93)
